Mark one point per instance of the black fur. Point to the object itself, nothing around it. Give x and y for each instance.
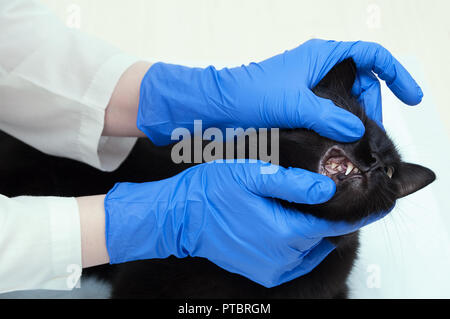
(25, 171)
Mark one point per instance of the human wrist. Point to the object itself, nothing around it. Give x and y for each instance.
(92, 224)
(121, 112)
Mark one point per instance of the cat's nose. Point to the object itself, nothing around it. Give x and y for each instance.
(374, 162)
(371, 163)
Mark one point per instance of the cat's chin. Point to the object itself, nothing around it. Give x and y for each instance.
(339, 166)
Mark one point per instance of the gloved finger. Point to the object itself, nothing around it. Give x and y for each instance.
(374, 57)
(290, 184)
(368, 90)
(329, 120)
(319, 228)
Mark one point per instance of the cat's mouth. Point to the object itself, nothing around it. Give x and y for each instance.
(336, 164)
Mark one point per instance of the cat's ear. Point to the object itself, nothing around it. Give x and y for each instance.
(340, 78)
(409, 178)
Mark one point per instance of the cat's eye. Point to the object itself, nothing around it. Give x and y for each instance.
(389, 170)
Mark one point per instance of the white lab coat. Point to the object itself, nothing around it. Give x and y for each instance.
(55, 84)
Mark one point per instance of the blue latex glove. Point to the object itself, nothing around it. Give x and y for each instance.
(273, 93)
(225, 212)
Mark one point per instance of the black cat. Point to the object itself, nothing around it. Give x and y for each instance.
(369, 175)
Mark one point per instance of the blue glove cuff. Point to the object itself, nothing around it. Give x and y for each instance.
(173, 96)
(140, 226)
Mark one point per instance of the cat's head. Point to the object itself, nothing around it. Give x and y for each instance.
(369, 173)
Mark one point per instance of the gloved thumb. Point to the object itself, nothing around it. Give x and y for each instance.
(329, 120)
(290, 184)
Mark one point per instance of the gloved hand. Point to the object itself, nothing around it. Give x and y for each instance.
(273, 93)
(225, 212)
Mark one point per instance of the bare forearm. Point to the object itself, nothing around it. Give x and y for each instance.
(92, 223)
(121, 112)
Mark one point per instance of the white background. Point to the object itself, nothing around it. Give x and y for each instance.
(407, 254)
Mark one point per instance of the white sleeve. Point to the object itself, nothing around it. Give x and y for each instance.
(40, 243)
(55, 84)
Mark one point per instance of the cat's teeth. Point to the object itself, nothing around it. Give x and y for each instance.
(349, 168)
